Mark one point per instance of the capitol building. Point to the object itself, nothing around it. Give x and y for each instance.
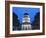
(26, 24)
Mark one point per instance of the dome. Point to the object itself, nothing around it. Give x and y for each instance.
(26, 14)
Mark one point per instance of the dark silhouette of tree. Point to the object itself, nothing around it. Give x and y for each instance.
(36, 23)
(16, 22)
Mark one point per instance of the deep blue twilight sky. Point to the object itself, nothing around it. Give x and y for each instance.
(21, 10)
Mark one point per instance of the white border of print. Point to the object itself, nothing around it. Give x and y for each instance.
(28, 31)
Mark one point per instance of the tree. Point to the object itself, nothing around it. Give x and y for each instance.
(16, 22)
(36, 23)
